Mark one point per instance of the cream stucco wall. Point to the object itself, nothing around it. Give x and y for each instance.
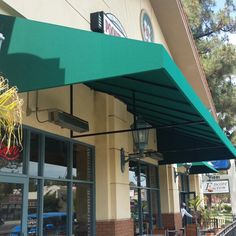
(194, 184)
(76, 14)
(169, 190)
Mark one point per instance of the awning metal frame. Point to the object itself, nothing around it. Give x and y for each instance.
(126, 130)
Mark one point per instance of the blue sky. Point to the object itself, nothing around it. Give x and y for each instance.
(232, 38)
(220, 4)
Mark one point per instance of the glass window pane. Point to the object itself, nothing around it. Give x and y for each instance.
(153, 177)
(183, 183)
(34, 154)
(10, 208)
(133, 174)
(82, 164)
(55, 208)
(134, 209)
(55, 158)
(143, 175)
(82, 197)
(154, 206)
(11, 161)
(32, 207)
(145, 211)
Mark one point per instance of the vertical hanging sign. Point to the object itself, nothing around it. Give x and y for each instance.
(106, 23)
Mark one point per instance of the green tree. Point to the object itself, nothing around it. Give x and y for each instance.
(51, 202)
(210, 27)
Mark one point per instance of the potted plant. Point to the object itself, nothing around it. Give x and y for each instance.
(196, 207)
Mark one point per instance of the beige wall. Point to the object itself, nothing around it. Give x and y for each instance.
(76, 14)
(194, 184)
(169, 190)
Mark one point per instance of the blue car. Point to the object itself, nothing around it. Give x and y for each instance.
(53, 222)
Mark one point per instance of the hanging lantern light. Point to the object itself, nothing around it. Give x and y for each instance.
(140, 135)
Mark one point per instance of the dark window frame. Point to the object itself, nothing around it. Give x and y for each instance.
(149, 189)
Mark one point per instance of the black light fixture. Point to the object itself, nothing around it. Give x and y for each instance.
(187, 167)
(140, 134)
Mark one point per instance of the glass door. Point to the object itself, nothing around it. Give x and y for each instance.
(185, 197)
(12, 209)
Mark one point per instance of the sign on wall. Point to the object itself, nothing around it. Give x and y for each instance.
(106, 23)
(221, 186)
(146, 27)
(9, 154)
(221, 165)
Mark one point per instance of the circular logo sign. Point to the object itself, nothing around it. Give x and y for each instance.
(146, 27)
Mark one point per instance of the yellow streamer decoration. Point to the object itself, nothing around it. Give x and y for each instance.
(10, 115)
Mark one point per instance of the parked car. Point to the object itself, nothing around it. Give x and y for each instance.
(54, 223)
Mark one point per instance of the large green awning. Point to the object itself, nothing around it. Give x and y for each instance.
(37, 55)
(202, 167)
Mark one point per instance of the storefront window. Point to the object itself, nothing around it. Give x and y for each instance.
(145, 210)
(134, 208)
(34, 154)
(144, 197)
(59, 177)
(183, 182)
(144, 176)
(133, 176)
(82, 209)
(55, 208)
(32, 207)
(11, 161)
(81, 163)
(153, 177)
(10, 208)
(155, 208)
(56, 160)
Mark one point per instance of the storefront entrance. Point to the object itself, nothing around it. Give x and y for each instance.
(144, 197)
(13, 192)
(48, 190)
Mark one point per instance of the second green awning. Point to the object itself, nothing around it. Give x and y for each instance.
(202, 167)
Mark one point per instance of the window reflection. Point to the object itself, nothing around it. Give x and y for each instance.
(34, 154)
(143, 175)
(55, 158)
(55, 208)
(153, 176)
(145, 211)
(183, 183)
(82, 167)
(32, 207)
(144, 194)
(10, 208)
(11, 161)
(54, 192)
(133, 174)
(154, 206)
(82, 210)
(134, 209)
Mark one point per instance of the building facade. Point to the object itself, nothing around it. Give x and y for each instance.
(63, 183)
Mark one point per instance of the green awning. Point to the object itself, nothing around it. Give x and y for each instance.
(202, 167)
(38, 55)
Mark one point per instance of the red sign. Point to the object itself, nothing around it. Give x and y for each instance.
(106, 23)
(10, 154)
